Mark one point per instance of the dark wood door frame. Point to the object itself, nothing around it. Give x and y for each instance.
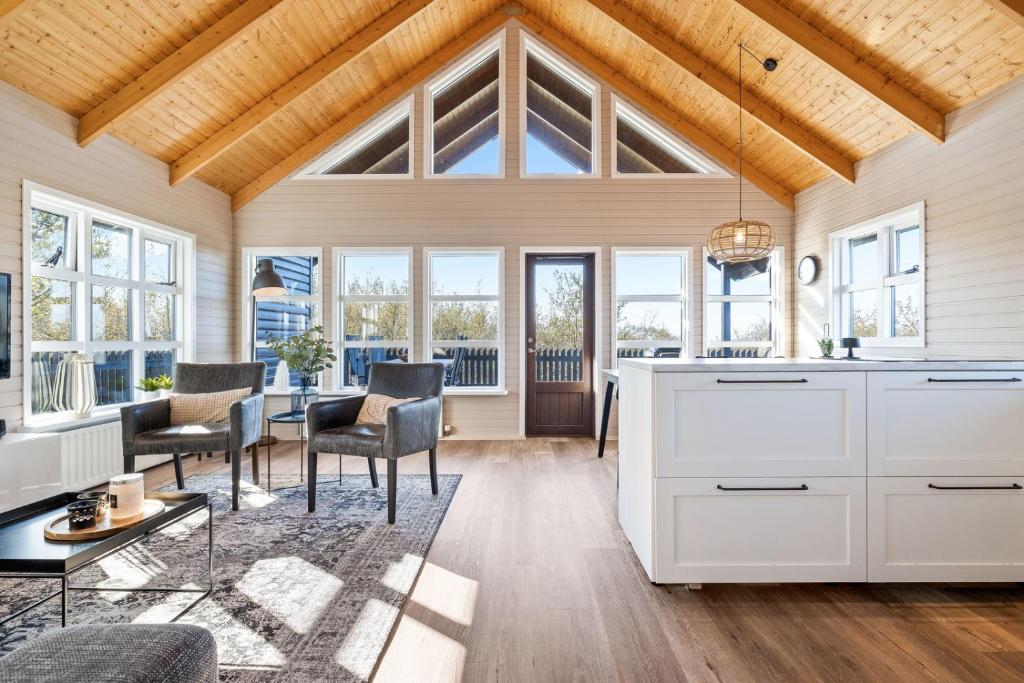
(579, 396)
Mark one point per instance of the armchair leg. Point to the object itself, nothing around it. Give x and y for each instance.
(179, 474)
(236, 477)
(392, 488)
(311, 481)
(433, 470)
(373, 472)
(255, 464)
(209, 455)
(227, 456)
(129, 464)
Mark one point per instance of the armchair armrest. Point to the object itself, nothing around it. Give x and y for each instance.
(340, 412)
(143, 417)
(412, 427)
(246, 420)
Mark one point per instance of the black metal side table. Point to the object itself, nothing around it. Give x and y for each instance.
(289, 417)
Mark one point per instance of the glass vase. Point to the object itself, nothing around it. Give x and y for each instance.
(304, 394)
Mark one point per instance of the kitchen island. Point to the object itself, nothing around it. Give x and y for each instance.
(785, 470)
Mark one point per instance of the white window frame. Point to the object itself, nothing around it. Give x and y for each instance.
(429, 298)
(885, 226)
(451, 75)
(777, 299)
(82, 214)
(570, 73)
(340, 299)
(666, 139)
(250, 255)
(686, 342)
(354, 143)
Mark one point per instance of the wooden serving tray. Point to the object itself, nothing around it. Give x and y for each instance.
(57, 528)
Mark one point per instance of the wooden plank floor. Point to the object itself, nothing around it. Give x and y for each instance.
(530, 579)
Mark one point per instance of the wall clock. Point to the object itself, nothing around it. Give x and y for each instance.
(807, 270)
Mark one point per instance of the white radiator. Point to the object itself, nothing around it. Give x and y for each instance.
(90, 456)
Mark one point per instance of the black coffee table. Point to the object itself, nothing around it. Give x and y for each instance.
(26, 554)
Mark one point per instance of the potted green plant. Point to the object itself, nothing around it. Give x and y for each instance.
(308, 354)
(165, 384)
(150, 388)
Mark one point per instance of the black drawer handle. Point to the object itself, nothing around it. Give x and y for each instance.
(801, 487)
(1011, 487)
(994, 379)
(761, 381)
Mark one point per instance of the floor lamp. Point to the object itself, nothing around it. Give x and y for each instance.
(266, 282)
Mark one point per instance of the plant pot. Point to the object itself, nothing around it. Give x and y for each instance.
(164, 393)
(150, 395)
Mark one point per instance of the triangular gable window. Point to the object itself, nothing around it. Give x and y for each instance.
(643, 148)
(381, 149)
(561, 108)
(464, 116)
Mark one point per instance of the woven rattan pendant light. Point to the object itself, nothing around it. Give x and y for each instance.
(742, 240)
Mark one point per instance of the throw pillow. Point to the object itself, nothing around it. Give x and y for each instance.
(375, 408)
(212, 407)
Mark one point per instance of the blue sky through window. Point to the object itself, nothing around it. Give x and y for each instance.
(483, 160)
(540, 159)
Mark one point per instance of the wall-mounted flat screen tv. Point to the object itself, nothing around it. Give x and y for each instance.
(5, 325)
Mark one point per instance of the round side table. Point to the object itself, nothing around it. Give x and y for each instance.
(289, 417)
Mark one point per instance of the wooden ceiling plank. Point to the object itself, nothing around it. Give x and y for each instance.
(11, 9)
(170, 70)
(363, 112)
(803, 140)
(225, 138)
(662, 112)
(1013, 9)
(921, 115)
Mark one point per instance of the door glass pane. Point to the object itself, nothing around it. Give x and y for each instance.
(751, 278)
(908, 249)
(637, 274)
(464, 274)
(464, 367)
(377, 321)
(863, 258)
(376, 274)
(459, 320)
(649, 321)
(53, 306)
(465, 121)
(50, 239)
(111, 251)
(356, 361)
(159, 317)
(113, 371)
(159, 264)
(559, 315)
(863, 313)
(110, 316)
(906, 310)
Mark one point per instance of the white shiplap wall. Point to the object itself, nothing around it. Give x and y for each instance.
(511, 212)
(973, 189)
(38, 144)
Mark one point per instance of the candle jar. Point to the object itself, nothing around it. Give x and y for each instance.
(82, 514)
(127, 492)
(102, 499)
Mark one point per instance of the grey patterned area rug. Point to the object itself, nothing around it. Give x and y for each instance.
(296, 596)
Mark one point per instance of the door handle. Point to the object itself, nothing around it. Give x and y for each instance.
(530, 351)
(801, 487)
(1011, 487)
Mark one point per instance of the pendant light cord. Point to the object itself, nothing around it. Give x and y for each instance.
(740, 57)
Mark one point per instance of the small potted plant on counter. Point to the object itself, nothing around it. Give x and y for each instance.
(150, 388)
(164, 384)
(308, 354)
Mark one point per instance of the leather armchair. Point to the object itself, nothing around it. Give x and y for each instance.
(146, 428)
(410, 427)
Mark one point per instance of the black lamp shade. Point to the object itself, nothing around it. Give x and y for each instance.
(850, 342)
(267, 282)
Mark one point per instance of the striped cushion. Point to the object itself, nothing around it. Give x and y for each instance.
(375, 408)
(197, 408)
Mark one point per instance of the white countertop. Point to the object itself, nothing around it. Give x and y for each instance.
(812, 365)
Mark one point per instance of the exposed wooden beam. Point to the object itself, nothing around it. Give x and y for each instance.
(171, 69)
(901, 101)
(800, 138)
(362, 113)
(231, 134)
(657, 108)
(1014, 9)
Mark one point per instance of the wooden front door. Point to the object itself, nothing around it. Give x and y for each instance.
(559, 344)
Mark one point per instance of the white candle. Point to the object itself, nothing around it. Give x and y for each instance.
(127, 492)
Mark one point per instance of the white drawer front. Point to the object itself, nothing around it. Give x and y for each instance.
(945, 423)
(705, 534)
(918, 532)
(769, 424)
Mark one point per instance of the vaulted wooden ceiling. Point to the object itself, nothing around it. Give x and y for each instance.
(240, 94)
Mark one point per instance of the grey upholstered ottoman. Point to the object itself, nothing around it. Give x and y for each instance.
(121, 653)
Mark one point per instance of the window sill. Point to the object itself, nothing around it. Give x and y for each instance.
(480, 391)
(63, 422)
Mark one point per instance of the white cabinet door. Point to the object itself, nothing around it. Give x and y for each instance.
(760, 530)
(760, 424)
(945, 423)
(945, 529)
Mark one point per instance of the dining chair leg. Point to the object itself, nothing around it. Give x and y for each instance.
(311, 481)
(236, 477)
(373, 472)
(432, 459)
(179, 474)
(392, 488)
